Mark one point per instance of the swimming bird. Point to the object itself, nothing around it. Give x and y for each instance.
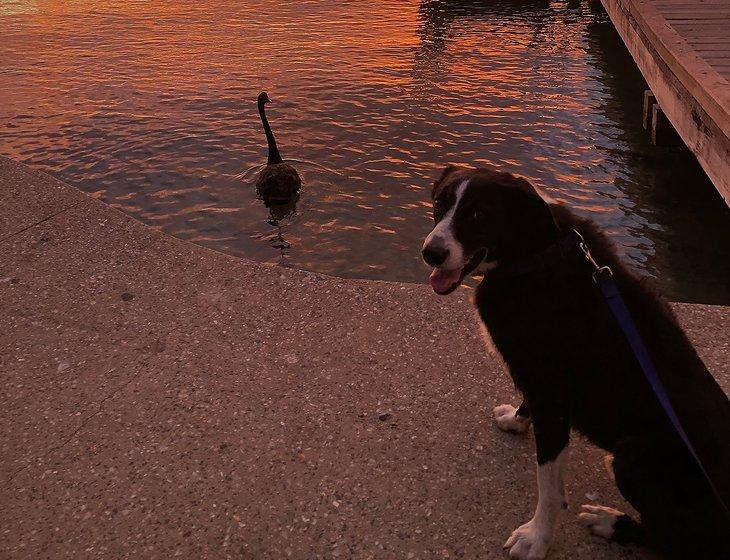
(278, 182)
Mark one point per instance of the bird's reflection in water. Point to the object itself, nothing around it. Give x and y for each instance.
(278, 214)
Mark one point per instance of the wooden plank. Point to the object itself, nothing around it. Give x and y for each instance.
(697, 18)
(709, 53)
(695, 10)
(697, 14)
(711, 40)
(694, 16)
(709, 26)
(690, 34)
(700, 20)
(714, 55)
(701, 7)
(685, 7)
(696, 31)
(720, 6)
(704, 7)
(706, 24)
(719, 3)
(698, 9)
(697, 5)
(692, 3)
(709, 34)
(689, 7)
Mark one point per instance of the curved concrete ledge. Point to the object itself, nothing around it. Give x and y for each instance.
(161, 400)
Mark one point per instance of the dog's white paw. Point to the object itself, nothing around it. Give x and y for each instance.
(505, 416)
(528, 542)
(600, 520)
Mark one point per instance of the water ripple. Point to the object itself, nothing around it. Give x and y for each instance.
(151, 107)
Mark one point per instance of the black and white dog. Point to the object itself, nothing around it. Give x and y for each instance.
(572, 364)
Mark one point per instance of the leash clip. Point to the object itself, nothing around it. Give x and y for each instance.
(601, 272)
(598, 271)
(587, 254)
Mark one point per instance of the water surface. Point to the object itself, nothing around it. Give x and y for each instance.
(151, 107)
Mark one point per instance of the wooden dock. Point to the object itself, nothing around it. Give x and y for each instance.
(682, 48)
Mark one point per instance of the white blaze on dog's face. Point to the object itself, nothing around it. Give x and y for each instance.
(441, 248)
(479, 214)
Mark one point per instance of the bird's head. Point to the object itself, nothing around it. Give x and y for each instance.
(264, 98)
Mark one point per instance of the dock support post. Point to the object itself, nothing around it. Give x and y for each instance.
(662, 131)
(649, 102)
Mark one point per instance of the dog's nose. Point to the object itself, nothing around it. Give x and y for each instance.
(435, 255)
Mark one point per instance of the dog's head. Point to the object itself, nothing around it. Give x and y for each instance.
(482, 216)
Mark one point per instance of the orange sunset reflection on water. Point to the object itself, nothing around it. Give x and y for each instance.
(151, 107)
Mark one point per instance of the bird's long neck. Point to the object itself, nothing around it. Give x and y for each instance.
(274, 155)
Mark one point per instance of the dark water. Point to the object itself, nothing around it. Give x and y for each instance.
(151, 106)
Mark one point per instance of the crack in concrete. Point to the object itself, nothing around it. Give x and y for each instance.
(39, 222)
(84, 422)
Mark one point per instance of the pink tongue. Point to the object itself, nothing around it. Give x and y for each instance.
(442, 280)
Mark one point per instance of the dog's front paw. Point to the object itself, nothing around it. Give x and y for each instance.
(600, 520)
(507, 420)
(528, 542)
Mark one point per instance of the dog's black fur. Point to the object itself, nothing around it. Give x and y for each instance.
(574, 367)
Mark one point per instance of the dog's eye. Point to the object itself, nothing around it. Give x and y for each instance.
(477, 216)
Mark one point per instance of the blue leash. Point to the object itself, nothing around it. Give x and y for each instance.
(604, 278)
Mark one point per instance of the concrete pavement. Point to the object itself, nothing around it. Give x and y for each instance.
(161, 400)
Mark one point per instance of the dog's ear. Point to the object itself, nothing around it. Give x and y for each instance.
(448, 170)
